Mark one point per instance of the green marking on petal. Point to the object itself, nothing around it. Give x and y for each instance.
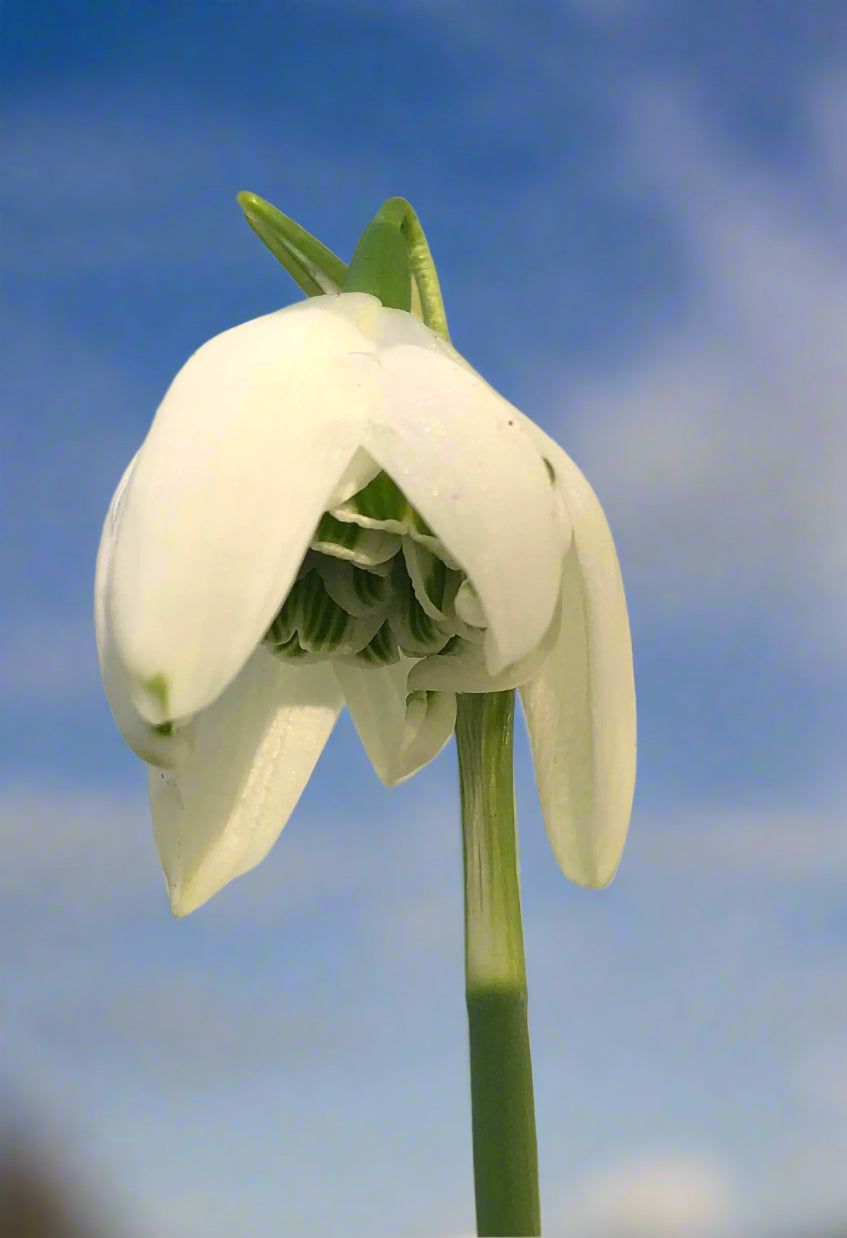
(434, 583)
(293, 650)
(322, 625)
(381, 504)
(551, 472)
(417, 524)
(418, 704)
(331, 535)
(436, 547)
(309, 564)
(284, 625)
(164, 728)
(320, 621)
(377, 569)
(416, 632)
(382, 650)
(356, 590)
(371, 591)
(416, 707)
(468, 606)
(157, 688)
(454, 645)
(364, 592)
(364, 547)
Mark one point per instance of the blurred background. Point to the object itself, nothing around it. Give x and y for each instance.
(639, 212)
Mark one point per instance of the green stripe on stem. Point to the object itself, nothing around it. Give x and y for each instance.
(502, 1106)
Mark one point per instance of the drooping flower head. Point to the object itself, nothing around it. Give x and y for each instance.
(331, 506)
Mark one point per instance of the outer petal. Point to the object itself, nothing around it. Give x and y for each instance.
(462, 456)
(143, 739)
(252, 753)
(245, 450)
(580, 707)
(400, 734)
(466, 670)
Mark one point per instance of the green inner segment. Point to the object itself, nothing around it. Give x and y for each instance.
(375, 583)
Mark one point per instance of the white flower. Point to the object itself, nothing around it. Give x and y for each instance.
(332, 507)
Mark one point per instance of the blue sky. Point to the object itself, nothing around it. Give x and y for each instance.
(637, 208)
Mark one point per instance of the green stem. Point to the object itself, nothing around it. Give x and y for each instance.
(502, 1106)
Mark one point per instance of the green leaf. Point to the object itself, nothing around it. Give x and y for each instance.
(314, 268)
(392, 259)
(380, 265)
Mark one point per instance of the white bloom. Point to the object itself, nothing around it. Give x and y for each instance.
(331, 506)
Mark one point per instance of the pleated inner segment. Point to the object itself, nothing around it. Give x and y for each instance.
(376, 583)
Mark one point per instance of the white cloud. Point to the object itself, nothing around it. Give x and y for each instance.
(719, 450)
(827, 115)
(47, 657)
(76, 849)
(707, 966)
(658, 1196)
(84, 849)
(189, 1029)
(803, 1188)
(94, 186)
(79, 415)
(803, 843)
(821, 1077)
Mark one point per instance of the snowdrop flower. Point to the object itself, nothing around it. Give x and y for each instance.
(332, 507)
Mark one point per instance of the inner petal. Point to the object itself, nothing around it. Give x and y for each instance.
(363, 547)
(376, 585)
(381, 504)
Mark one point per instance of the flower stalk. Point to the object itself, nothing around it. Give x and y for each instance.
(502, 1106)
(333, 508)
(392, 260)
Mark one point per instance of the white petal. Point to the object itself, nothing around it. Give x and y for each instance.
(463, 459)
(580, 707)
(392, 328)
(143, 739)
(252, 753)
(399, 733)
(466, 670)
(361, 470)
(468, 606)
(251, 439)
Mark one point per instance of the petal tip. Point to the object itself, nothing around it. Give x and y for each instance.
(187, 893)
(588, 846)
(151, 696)
(182, 902)
(601, 876)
